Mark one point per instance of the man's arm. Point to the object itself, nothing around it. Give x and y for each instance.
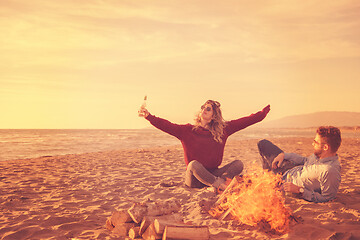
(329, 186)
(295, 158)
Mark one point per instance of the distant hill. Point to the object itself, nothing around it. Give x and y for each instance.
(338, 119)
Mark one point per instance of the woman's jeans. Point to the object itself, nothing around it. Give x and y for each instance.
(197, 176)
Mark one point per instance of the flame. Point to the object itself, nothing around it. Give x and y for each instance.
(253, 200)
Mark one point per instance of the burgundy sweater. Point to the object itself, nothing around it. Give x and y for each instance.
(199, 144)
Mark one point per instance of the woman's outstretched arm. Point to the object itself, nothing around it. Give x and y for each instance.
(241, 123)
(164, 125)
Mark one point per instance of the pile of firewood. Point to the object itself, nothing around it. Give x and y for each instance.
(154, 220)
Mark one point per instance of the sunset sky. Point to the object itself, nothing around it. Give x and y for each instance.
(89, 63)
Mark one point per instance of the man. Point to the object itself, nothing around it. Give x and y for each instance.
(315, 178)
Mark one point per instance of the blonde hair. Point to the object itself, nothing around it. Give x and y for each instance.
(217, 123)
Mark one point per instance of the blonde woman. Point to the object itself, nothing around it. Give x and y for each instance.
(204, 143)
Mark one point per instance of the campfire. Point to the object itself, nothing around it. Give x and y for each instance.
(254, 200)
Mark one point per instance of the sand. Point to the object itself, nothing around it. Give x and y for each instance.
(71, 196)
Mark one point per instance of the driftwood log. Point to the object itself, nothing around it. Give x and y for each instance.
(145, 223)
(160, 224)
(186, 232)
(123, 229)
(150, 233)
(147, 220)
(139, 210)
(134, 233)
(118, 218)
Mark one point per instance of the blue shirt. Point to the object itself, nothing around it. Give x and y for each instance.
(320, 178)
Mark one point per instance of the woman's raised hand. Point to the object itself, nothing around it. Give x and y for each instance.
(266, 109)
(143, 112)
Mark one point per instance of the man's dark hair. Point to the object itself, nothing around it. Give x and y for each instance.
(331, 135)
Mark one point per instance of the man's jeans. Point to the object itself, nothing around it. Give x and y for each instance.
(268, 152)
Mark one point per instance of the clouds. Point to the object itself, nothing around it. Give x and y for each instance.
(281, 30)
(114, 50)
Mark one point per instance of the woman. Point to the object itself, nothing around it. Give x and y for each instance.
(204, 143)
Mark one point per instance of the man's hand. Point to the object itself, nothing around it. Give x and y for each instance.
(290, 187)
(278, 161)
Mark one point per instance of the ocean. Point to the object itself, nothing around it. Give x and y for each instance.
(31, 143)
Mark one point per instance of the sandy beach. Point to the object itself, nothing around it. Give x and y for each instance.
(71, 196)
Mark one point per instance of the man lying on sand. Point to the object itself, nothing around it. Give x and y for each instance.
(204, 143)
(315, 178)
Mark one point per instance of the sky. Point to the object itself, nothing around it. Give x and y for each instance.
(89, 63)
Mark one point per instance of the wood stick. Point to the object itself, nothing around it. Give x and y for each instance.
(137, 212)
(145, 223)
(147, 220)
(120, 217)
(123, 230)
(134, 232)
(226, 213)
(233, 182)
(188, 232)
(160, 224)
(150, 233)
(163, 207)
(108, 224)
